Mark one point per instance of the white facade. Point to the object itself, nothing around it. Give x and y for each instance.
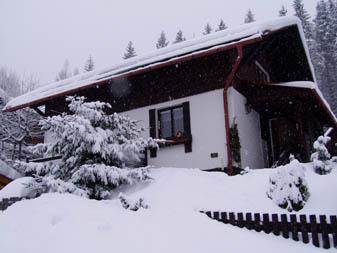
(208, 132)
(207, 129)
(249, 130)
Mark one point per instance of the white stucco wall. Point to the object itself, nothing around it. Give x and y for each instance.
(207, 129)
(249, 130)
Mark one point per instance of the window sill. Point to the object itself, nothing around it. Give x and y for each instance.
(176, 141)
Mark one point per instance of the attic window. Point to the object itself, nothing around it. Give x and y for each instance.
(261, 73)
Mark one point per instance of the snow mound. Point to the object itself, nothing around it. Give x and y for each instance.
(16, 188)
(65, 223)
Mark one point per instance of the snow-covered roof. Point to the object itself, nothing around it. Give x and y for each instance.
(312, 86)
(8, 171)
(218, 39)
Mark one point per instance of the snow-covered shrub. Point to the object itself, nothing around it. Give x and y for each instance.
(288, 187)
(320, 159)
(245, 171)
(133, 206)
(96, 150)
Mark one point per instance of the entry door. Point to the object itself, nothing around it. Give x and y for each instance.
(284, 139)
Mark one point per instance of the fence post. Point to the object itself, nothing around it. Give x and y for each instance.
(249, 224)
(266, 223)
(325, 235)
(257, 222)
(276, 230)
(333, 221)
(216, 216)
(284, 226)
(314, 230)
(293, 226)
(304, 228)
(232, 219)
(240, 220)
(224, 217)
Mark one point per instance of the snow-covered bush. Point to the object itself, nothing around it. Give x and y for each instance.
(288, 187)
(133, 206)
(320, 159)
(96, 151)
(245, 171)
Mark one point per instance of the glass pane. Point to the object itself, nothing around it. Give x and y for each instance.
(178, 117)
(165, 124)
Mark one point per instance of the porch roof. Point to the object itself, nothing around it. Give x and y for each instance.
(283, 93)
(166, 56)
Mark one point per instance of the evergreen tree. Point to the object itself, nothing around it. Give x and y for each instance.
(89, 65)
(249, 17)
(97, 150)
(321, 157)
(179, 37)
(221, 26)
(283, 12)
(65, 72)
(130, 51)
(207, 29)
(162, 41)
(304, 16)
(325, 61)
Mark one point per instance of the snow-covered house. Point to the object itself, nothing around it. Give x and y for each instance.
(244, 95)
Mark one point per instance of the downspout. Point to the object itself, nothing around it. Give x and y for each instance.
(228, 83)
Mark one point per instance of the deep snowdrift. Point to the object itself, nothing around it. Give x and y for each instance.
(66, 223)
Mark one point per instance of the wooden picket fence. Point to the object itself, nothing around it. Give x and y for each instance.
(321, 231)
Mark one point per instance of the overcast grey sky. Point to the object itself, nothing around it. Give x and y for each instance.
(36, 36)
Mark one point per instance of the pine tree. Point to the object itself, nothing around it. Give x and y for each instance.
(207, 29)
(96, 151)
(304, 16)
(65, 72)
(130, 51)
(324, 61)
(283, 12)
(221, 26)
(89, 65)
(162, 41)
(179, 37)
(249, 17)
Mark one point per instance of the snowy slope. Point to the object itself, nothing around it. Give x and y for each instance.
(66, 223)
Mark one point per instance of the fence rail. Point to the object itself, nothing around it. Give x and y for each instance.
(321, 230)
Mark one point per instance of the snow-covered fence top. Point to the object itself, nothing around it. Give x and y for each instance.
(246, 31)
(320, 230)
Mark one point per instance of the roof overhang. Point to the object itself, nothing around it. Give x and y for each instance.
(280, 92)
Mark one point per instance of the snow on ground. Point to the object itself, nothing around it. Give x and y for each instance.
(67, 223)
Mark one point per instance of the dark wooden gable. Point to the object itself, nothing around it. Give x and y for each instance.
(172, 82)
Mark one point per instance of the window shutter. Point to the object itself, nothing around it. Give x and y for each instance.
(187, 126)
(153, 130)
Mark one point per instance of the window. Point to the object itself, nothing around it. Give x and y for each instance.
(171, 122)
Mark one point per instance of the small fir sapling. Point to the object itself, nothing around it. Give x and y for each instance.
(97, 151)
(321, 156)
(288, 187)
